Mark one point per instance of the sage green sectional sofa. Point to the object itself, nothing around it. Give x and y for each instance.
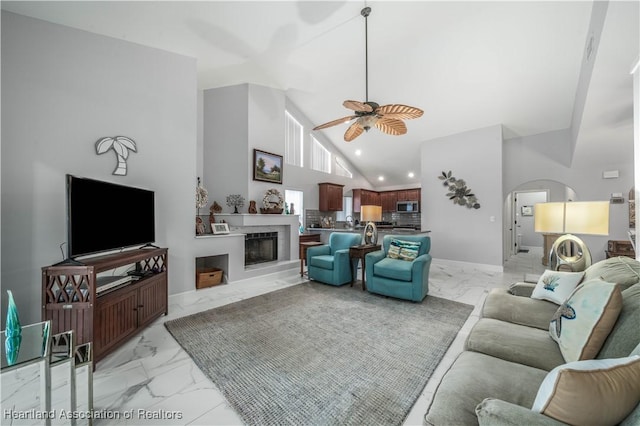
(509, 353)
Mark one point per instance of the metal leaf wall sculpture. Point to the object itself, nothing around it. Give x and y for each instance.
(458, 191)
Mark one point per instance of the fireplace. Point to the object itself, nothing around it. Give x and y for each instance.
(260, 247)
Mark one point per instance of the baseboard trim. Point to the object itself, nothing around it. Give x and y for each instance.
(481, 266)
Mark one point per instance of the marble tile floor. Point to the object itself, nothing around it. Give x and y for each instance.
(152, 376)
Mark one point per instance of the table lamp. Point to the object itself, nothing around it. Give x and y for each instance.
(587, 217)
(370, 214)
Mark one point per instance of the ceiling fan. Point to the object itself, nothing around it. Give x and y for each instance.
(387, 118)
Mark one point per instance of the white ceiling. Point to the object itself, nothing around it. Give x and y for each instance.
(466, 64)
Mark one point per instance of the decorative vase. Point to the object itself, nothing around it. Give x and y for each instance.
(236, 209)
(13, 331)
(291, 210)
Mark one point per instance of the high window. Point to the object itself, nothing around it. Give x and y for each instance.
(293, 140)
(295, 198)
(341, 168)
(320, 156)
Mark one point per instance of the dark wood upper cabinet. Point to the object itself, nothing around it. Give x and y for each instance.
(330, 197)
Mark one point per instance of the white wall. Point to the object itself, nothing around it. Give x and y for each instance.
(458, 233)
(239, 119)
(62, 89)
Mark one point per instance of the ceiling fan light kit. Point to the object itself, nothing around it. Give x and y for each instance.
(367, 114)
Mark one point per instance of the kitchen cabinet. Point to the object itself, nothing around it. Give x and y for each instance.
(409, 194)
(330, 197)
(388, 200)
(365, 197)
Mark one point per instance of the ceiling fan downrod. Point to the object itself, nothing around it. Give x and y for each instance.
(365, 12)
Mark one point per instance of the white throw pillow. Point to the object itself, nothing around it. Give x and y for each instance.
(556, 286)
(582, 323)
(593, 392)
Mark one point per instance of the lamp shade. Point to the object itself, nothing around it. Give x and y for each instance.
(371, 213)
(588, 217)
(548, 217)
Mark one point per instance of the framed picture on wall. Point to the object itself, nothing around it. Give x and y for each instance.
(526, 210)
(267, 167)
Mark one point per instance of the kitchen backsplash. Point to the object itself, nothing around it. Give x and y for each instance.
(314, 218)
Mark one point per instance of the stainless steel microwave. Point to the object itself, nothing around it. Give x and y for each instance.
(408, 207)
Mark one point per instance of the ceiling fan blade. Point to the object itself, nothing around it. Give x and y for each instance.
(353, 132)
(391, 126)
(399, 111)
(357, 106)
(336, 122)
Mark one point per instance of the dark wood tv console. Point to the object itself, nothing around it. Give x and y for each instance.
(108, 318)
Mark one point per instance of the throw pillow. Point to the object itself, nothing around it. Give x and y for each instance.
(593, 392)
(556, 286)
(403, 250)
(582, 323)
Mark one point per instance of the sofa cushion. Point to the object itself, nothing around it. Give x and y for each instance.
(626, 333)
(500, 304)
(583, 322)
(403, 250)
(515, 343)
(592, 392)
(494, 412)
(556, 286)
(324, 261)
(393, 269)
(624, 271)
(474, 377)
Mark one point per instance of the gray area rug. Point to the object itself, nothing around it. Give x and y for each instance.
(314, 354)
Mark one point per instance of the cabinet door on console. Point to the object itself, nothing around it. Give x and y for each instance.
(152, 299)
(117, 318)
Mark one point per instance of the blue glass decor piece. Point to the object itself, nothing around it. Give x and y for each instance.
(13, 331)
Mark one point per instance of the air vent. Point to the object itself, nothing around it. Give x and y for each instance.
(590, 47)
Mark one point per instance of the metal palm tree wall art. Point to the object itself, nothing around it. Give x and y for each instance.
(121, 145)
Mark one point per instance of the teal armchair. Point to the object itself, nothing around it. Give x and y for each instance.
(330, 263)
(398, 278)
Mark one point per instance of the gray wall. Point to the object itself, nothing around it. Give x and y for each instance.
(62, 89)
(458, 233)
(532, 158)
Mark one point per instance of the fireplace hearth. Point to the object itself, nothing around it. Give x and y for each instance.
(260, 247)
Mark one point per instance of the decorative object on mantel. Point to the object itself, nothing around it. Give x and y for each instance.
(235, 201)
(220, 228)
(273, 202)
(13, 331)
(252, 207)
(216, 208)
(212, 218)
(458, 191)
(121, 146)
(200, 229)
(202, 196)
(291, 210)
(267, 167)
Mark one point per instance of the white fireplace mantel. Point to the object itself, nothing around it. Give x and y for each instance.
(247, 219)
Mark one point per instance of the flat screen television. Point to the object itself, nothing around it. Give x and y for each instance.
(103, 216)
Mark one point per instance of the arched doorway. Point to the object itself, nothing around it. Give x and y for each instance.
(518, 233)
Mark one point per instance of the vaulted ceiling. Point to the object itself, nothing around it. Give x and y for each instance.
(466, 64)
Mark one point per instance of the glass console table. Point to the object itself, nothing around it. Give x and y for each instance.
(38, 346)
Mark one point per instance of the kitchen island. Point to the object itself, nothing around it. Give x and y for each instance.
(382, 231)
